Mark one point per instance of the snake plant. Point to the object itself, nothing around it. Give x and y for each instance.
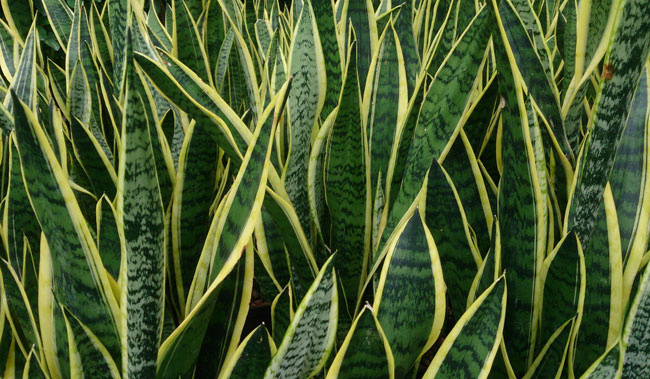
(320, 188)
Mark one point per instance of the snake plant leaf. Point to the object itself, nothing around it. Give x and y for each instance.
(282, 313)
(140, 214)
(302, 261)
(158, 33)
(409, 300)
(565, 278)
(33, 368)
(316, 180)
(636, 337)
(309, 340)
(24, 81)
(365, 352)
(520, 213)
(186, 340)
(251, 357)
(604, 293)
(324, 13)
(440, 40)
(186, 41)
(628, 189)
(441, 110)
(92, 156)
(88, 357)
(51, 321)
(607, 365)
(362, 16)
(389, 103)
(60, 17)
(108, 241)
(551, 359)
(185, 90)
(346, 188)
(214, 32)
(263, 37)
(192, 196)
(249, 69)
(118, 13)
(101, 40)
(227, 323)
(404, 29)
(531, 69)
(271, 244)
(74, 253)
(470, 347)
(611, 109)
(19, 15)
(20, 223)
(20, 314)
(248, 190)
(179, 353)
(9, 49)
(222, 60)
(445, 217)
(79, 34)
(307, 67)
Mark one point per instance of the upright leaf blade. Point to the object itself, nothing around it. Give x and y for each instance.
(140, 214)
(308, 341)
(470, 348)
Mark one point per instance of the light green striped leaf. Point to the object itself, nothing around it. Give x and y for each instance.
(607, 365)
(139, 212)
(60, 17)
(24, 81)
(309, 340)
(636, 337)
(469, 349)
(118, 14)
(410, 296)
(306, 66)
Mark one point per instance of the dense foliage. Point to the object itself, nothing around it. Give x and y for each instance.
(436, 188)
